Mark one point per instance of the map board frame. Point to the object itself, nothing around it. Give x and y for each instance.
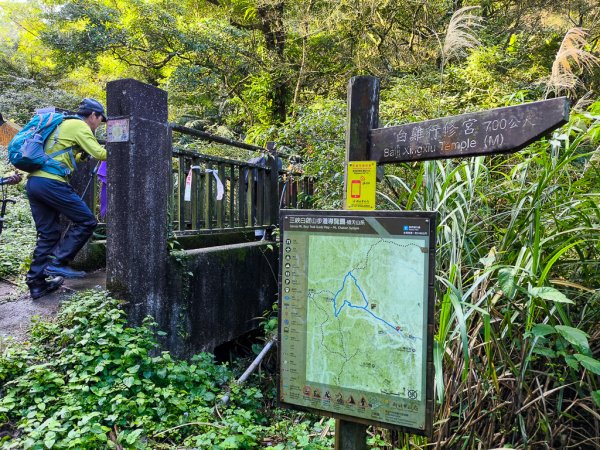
(324, 407)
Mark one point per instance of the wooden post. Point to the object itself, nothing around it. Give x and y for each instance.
(350, 435)
(362, 117)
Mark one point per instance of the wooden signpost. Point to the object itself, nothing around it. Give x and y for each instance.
(305, 380)
(501, 130)
(363, 116)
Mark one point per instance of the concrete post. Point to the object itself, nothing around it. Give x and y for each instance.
(138, 172)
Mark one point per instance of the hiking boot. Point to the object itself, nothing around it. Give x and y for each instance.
(40, 287)
(55, 270)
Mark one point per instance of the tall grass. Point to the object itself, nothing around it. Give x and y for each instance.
(573, 58)
(517, 353)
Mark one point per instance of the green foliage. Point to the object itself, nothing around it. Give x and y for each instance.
(17, 246)
(424, 104)
(518, 273)
(90, 381)
(269, 322)
(19, 99)
(82, 29)
(18, 236)
(316, 133)
(489, 78)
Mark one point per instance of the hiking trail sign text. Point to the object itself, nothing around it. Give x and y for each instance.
(356, 315)
(500, 130)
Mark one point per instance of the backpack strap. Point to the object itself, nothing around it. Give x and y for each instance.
(65, 150)
(60, 152)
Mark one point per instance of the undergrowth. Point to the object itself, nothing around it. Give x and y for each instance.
(18, 235)
(87, 380)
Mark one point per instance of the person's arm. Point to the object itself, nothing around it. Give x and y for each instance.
(86, 140)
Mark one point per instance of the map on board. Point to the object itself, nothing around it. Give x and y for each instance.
(365, 314)
(355, 315)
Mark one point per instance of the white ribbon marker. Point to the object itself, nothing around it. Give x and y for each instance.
(220, 187)
(187, 196)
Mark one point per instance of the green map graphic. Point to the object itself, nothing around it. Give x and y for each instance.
(365, 314)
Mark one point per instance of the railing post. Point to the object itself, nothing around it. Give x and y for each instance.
(138, 174)
(274, 188)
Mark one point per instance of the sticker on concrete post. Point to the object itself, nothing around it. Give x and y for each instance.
(117, 130)
(360, 185)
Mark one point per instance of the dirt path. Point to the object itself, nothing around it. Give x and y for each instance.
(16, 314)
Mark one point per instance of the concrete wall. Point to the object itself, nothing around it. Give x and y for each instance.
(91, 257)
(229, 289)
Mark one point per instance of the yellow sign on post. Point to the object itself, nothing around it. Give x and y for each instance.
(360, 186)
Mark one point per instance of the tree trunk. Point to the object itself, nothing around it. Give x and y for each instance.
(273, 29)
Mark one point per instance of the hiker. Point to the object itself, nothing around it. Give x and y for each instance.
(11, 179)
(50, 195)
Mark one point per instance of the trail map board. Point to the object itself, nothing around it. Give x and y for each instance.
(356, 315)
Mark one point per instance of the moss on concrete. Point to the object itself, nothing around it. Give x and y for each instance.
(91, 257)
(214, 240)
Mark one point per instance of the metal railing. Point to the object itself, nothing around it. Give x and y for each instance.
(213, 194)
(252, 193)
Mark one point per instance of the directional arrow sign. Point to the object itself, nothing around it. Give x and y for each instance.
(500, 130)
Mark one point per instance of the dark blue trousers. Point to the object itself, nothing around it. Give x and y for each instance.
(48, 199)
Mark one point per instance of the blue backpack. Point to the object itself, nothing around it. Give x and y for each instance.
(26, 149)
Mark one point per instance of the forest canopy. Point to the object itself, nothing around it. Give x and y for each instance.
(252, 64)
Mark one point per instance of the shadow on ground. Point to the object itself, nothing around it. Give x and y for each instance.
(16, 313)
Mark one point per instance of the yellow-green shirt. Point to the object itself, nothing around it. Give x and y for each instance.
(73, 133)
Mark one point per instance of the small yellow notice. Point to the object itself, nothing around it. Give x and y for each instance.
(360, 186)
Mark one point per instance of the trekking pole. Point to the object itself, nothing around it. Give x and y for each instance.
(94, 171)
(4, 202)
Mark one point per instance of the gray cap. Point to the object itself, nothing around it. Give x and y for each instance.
(89, 104)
